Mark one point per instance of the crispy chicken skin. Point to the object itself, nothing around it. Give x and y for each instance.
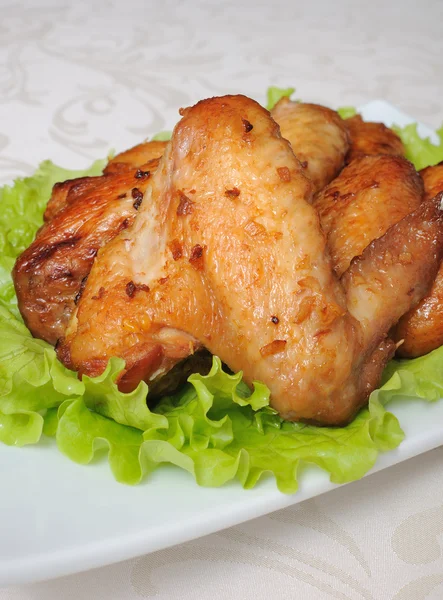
(67, 192)
(433, 180)
(81, 216)
(47, 301)
(136, 156)
(371, 138)
(318, 137)
(144, 155)
(421, 329)
(369, 196)
(227, 253)
(50, 274)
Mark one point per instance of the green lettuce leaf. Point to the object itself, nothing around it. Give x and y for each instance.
(31, 378)
(257, 441)
(217, 431)
(215, 428)
(31, 381)
(422, 152)
(418, 378)
(346, 112)
(102, 396)
(275, 94)
(81, 432)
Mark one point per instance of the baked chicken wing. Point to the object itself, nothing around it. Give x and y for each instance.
(369, 196)
(50, 274)
(227, 253)
(144, 155)
(433, 180)
(139, 155)
(421, 329)
(47, 297)
(318, 136)
(81, 216)
(368, 138)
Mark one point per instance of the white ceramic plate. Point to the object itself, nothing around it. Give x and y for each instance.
(59, 518)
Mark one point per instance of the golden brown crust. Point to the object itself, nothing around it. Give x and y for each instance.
(369, 196)
(48, 275)
(144, 156)
(66, 192)
(433, 180)
(421, 329)
(371, 138)
(136, 156)
(227, 254)
(318, 137)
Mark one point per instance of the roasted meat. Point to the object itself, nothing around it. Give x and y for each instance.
(139, 155)
(371, 138)
(421, 329)
(318, 137)
(433, 180)
(227, 254)
(81, 216)
(50, 274)
(369, 196)
(144, 155)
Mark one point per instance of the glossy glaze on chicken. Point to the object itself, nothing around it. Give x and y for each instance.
(371, 194)
(318, 136)
(82, 216)
(369, 139)
(421, 330)
(226, 253)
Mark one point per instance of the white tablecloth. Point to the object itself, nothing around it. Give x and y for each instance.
(79, 78)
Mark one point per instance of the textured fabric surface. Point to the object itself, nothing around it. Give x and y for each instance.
(79, 78)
